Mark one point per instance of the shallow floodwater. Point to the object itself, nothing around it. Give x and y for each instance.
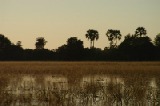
(90, 90)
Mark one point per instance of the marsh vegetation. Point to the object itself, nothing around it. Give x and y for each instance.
(80, 83)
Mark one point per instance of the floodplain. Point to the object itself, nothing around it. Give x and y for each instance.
(79, 83)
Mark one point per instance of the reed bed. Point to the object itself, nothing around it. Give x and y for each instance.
(81, 68)
(134, 89)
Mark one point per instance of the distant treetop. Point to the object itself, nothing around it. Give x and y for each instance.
(140, 31)
(40, 42)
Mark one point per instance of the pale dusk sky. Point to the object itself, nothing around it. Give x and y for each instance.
(58, 20)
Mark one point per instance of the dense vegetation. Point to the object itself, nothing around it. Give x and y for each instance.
(135, 47)
(79, 83)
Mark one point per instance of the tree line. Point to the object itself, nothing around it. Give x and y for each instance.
(135, 47)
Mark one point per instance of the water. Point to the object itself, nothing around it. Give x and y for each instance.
(90, 90)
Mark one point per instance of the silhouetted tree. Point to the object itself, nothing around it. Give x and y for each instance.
(93, 54)
(113, 35)
(61, 48)
(92, 35)
(72, 51)
(140, 31)
(40, 42)
(74, 43)
(74, 48)
(137, 48)
(42, 54)
(157, 46)
(157, 40)
(129, 40)
(13, 52)
(28, 54)
(4, 41)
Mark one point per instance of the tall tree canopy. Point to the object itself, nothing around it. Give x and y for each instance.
(113, 35)
(72, 51)
(74, 43)
(140, 31)
(4, 41)
(40, 42)
(157, 40)
(138, 48)
(92, 35)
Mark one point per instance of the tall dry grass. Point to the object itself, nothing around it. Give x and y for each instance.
(81, 68)
(135, 75)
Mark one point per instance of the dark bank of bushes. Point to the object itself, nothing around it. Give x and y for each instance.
(131, 49)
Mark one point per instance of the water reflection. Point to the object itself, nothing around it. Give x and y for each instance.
(90, 90)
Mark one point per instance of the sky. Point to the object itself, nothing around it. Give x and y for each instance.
(58, 20)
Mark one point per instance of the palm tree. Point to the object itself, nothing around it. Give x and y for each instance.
(92, 35)
(140, 31)
(113, 35)
(40, 42)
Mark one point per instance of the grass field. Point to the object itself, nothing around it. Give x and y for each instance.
(66, 68)
(132, 81)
